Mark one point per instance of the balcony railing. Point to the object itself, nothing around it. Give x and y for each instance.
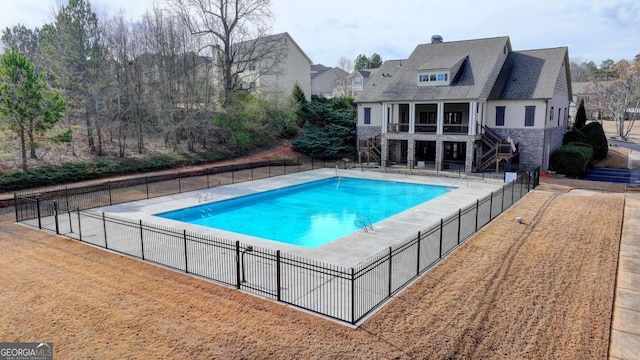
(426, 128)
(397, 128)
(455, 129)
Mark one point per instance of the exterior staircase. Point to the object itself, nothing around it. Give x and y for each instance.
(495, 149)
(370, 150)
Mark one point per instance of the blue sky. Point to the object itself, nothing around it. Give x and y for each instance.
(327, 30)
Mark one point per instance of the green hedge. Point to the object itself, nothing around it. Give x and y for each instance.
(572, 159)
(103, 167)
(596, 137)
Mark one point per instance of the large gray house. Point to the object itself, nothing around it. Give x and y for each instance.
(472, 104)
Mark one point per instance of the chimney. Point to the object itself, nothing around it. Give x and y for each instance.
(436, 39)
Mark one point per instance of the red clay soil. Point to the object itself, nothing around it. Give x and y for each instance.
(538, 290)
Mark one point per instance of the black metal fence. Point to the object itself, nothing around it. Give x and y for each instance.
(344, 293)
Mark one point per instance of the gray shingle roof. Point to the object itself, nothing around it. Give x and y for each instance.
(397, 80)
(530, 74)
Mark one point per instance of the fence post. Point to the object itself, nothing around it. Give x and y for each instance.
(502, 197)
(441, 233)
(353, 296)
(418, 259)
(513, 191)
(459, 225)
(390, 269)
(186, 264)
(104, 227)
(233, 181)
(284, 168)
(179, 186)
(15, 205)
(251, 174)
(477, 212)
(491, 207)
(141, 240)
(237, 263)
(79, 223)
(109, 184)
(208, 181)
(269, 167)
(146, 182)
(298, 161)
(38, 212)
(278, 273)
(55, 216)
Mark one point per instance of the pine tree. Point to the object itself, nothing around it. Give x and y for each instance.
(26, 103)
(581, 116)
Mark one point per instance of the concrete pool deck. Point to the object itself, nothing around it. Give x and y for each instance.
(345, 251)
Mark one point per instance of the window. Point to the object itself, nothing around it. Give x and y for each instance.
(367, 116)
(252, 66)
(529, 115)
(551, 114)
(436, 78)
(499, 115)
(453, 118)
(357, 81)
(559, 109)
(428, 118)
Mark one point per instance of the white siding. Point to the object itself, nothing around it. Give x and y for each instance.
(514, 114)
(376, 114)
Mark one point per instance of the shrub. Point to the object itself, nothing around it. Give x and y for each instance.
(572, 159)
(596, 137)
(574, 136)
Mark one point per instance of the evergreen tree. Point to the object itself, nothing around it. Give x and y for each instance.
(375, 61)
(581, 116)
(362, 62)
(26, 103)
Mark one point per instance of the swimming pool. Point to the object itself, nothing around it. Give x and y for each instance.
(310, 214)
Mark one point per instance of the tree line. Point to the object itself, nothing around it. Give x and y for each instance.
(178, 75)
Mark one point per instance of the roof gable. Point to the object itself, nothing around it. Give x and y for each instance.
(478, 63)
(530, 74)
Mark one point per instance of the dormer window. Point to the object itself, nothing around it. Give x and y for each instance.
(433, 79)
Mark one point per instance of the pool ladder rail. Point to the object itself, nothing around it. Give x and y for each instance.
(364, 223)
(205, 197)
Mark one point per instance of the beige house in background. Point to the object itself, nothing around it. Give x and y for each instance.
(271, 66)
(328, 82)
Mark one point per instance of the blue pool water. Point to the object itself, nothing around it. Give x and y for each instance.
(310, 214)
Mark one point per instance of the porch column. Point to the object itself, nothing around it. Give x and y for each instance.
(468, 163)
(472, 118)
(411, 150)
(385, 119)
(439, 154)
(384, 151)
(440, 113)
(412, 117)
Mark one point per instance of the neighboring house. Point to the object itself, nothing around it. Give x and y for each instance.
(587, 90)
(470, 104)
(357, 80)
(328, 82)
(271, 66)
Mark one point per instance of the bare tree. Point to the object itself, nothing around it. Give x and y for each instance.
(342, 81)
(621, 97)
(236, 32)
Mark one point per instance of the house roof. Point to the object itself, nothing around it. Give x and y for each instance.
(397, 80)
(531, 74)
(246, 49)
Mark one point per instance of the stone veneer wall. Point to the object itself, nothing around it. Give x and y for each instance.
(532, 143)
(366, 132)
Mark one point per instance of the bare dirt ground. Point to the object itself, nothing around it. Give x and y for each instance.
(542, 289)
